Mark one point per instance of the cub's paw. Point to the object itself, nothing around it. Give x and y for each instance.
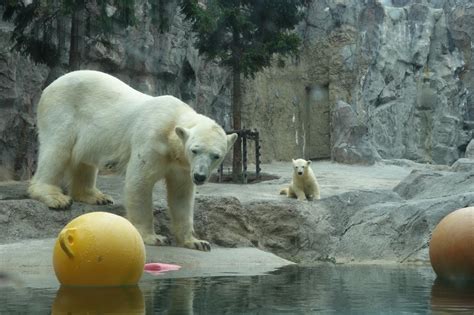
(198, 244)
(58, 201)
(155, 240)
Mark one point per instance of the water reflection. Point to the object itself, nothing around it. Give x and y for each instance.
(323, 289)
(7, 279)
(298, 290)
(172, 296)
(83, 300)
(448, 297)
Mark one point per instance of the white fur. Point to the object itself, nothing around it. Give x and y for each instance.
(88, 120)
(304, 184)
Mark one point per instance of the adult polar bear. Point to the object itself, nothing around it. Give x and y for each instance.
(89, 119)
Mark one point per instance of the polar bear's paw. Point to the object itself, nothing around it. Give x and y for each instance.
(198, 244)
(58, 201)
(95, 198)
(155, 240)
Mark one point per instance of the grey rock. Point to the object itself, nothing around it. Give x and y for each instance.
(470, 150)
(463, 165)
(20, 84)
(351, 142)
(427, 184)
(363, 225)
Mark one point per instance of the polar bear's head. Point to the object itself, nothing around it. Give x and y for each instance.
(300, 166)
(205, 147)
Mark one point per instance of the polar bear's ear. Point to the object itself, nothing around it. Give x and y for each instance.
(293, 161)
(308, 162)
(182, 133)
(231, 140)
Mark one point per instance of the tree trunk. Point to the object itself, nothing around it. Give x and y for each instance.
(58, 68)
(77, 35)
(236, 121)
(236, 108)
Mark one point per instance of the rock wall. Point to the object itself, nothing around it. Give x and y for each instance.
(404, 66)
(20, 87)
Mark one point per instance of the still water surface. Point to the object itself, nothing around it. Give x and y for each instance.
(325, 289)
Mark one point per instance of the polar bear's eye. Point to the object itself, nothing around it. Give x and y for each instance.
(194, 151)
(216, 156)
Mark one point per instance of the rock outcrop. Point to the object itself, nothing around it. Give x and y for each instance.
(360, 225)
(357, 226)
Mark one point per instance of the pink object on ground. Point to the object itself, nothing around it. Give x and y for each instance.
(158, 268)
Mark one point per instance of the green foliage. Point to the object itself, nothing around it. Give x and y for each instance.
(37, 24)
(160, 15)
(245, 34)
(33, 26)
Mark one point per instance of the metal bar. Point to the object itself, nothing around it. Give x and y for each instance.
(244, 158)
(220, 172)
(257, 155)
(245, 134)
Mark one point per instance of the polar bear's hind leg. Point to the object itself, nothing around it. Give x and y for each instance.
(83, 186)
(45, 185)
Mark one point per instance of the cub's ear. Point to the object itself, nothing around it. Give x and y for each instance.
(231, 140)
(293, 161)
(182, 133)
(309, 162)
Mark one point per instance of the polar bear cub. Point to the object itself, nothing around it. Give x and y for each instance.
(304, 184)
(89, 120)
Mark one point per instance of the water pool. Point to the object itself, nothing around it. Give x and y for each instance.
(323, 289)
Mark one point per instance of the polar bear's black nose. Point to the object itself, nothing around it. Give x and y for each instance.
(199, 178)
(300, 173)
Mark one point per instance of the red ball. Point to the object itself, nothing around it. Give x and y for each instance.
(452, 246)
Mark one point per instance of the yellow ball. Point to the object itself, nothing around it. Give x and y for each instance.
(99, 249)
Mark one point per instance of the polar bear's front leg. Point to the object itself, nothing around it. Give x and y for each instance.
(180, 190)
(83, 187)
(139, 203)
(299, 193)
(317, 193)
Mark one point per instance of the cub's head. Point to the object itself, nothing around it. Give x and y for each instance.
(300, 166)
(205, 147)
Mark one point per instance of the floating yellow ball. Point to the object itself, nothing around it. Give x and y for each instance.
(99, 249)
(452, 246)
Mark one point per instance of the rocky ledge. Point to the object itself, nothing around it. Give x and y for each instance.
(367, 214)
